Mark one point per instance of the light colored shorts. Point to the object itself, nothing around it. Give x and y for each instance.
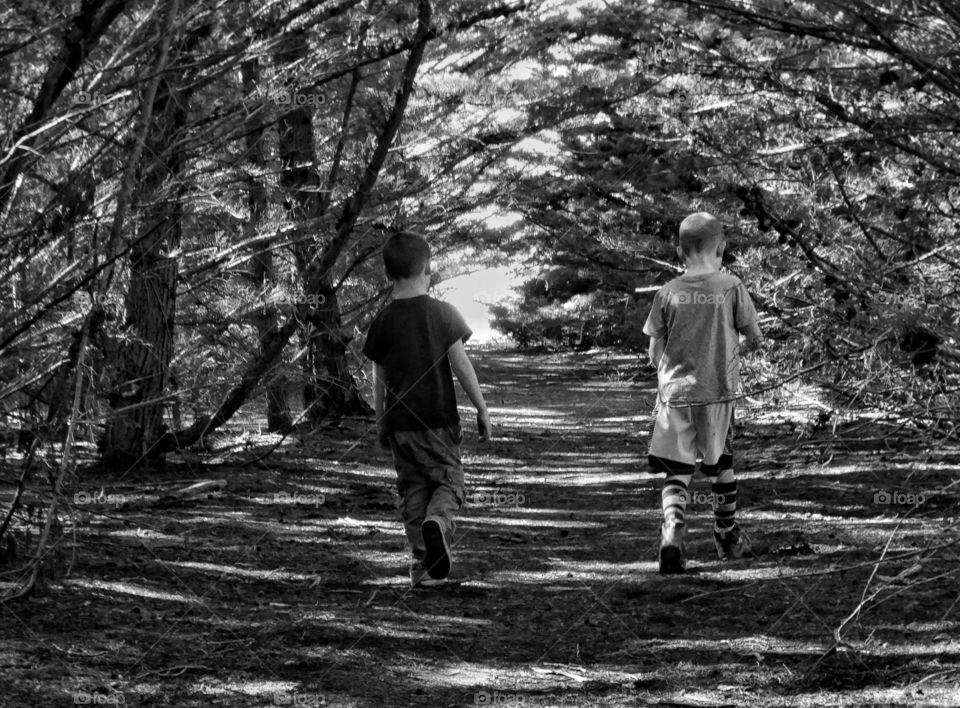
(690, 433)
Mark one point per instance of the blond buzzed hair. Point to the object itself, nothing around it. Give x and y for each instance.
(700, 233)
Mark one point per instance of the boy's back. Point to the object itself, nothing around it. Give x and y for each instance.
(409, 338)
(700, 317)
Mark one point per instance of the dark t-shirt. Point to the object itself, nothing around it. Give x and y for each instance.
(409, 338)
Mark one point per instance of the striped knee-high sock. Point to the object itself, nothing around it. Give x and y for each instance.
(674, 498)
(724, 487)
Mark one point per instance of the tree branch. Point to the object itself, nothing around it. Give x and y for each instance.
(352, 209)
(86, 29)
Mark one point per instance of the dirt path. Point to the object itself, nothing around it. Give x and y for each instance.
(289, 587)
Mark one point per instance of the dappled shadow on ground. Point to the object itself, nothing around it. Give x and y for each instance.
(288, 587)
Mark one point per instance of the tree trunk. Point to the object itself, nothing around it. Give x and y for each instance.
(333, 390)
(135, 423)
(329, 388)
(137, 403)
(266, 317)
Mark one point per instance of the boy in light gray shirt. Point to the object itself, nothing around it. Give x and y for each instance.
(695, 325)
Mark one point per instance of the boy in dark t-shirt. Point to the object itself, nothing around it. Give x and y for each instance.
(416, 344)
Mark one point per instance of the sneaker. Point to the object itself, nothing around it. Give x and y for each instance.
(732, 544)
(437, 561)
(672, 549)
(419, 577)
(417, 573)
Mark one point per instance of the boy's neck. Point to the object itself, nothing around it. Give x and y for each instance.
(406, 289)
(696, 266)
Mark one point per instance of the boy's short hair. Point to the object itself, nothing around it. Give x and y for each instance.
(405, 255)
(700, 233)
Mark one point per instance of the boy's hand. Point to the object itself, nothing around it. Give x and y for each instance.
(483, 425)
(751, 345)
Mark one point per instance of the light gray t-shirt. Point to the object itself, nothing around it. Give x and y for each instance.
(701, 317)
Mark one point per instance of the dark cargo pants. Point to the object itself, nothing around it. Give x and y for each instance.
(429, 480)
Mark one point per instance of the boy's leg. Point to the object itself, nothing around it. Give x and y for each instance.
(715, 429)
(431, 492)
(446, 498)
(672, 451)
(713, 423)
(446, 478)
(413, 487)
(414, 497)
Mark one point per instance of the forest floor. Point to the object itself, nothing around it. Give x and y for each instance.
(289, 586)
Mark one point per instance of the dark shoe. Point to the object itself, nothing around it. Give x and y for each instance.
(437, 561)
(732, 544)
(672, 561)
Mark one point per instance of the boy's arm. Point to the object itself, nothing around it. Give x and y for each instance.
(746, 321)
(460, 363)
(379, 393)
(652, 326)
(657, 345)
